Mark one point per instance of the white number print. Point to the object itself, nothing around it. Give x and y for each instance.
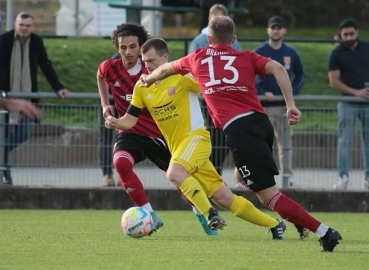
(244, 172)
(227, 66)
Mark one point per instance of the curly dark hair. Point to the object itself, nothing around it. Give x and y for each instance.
(129, 29)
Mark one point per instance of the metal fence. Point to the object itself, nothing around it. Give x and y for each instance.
(64, 148)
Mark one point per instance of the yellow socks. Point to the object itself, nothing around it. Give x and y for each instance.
(193, 191)
(244, 209)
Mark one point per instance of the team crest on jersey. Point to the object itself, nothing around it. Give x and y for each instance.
(287, 62)
(171, 91)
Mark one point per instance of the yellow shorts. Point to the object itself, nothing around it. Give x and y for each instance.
(193, 154)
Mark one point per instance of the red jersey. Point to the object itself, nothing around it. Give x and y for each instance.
(121, 85)
(226, 79)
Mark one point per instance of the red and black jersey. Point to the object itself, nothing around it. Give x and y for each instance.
(121, 84)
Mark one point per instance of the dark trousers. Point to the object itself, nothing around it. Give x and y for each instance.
(220, 148)
(105, 147)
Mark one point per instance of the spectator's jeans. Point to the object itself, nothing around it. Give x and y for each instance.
(105, 147)
(347, 115)
(14, 137)
(278, 118)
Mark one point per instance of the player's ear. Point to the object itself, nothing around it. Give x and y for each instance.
(166, 56)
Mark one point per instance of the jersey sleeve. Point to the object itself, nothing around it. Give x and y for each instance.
(103, 69)
(137, 97)
(183, 65)
(189, 82)
(259, 63)
(333, 62)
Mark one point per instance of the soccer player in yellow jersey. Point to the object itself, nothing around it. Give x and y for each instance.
(173, 104)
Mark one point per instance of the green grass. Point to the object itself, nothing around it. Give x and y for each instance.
(93, 240)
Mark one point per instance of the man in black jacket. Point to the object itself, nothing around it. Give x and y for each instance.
(21, 52)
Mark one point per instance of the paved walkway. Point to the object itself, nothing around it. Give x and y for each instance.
(153, 178)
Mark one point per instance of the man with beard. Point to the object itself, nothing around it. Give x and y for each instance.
(349, 74)
(274, 48)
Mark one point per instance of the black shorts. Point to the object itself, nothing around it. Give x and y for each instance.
(251, 140)
(141, 147)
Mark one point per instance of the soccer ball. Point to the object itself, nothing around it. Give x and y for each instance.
(136, 222)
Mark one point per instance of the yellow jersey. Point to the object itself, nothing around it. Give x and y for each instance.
(174, 105)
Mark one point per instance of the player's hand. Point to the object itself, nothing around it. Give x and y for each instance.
(293, 115)
(108, 110)
(269, 96)
(63, 93)
(24, 107)
(145, 81)
(363, 93)
(111, 122)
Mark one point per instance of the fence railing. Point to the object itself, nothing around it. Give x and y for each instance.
(64, 148)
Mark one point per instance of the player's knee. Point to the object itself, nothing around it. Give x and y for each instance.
(123, 161)
(223, 197)
(266, 195)
(177, 174)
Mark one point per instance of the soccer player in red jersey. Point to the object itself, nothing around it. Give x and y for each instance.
(226, 78)
(145, 139)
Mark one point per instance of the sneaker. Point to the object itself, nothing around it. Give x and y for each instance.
(278, 230)
(204, 225)
(7, 178)
(304, 233)
(7, 181)
(215, 222)
(108, 180)
(330, 240)
(342, 182)
(156, 223)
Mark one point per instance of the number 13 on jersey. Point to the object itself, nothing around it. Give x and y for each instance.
(225, 64)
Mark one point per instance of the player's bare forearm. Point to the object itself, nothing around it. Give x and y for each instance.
(103, 90)
(160, 73)
(283, 80)
(126, 122)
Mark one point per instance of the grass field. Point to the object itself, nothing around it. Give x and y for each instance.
(93, 240)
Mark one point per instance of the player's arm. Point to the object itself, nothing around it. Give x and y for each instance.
(180, 66)
(103, 89)
(279, 72)
(129, 120)
(334, 76)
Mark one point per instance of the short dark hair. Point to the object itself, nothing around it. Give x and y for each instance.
(24, 15)
(221, 29)
(159, 45)
(348, 23)
(218, 8)
(129, 29)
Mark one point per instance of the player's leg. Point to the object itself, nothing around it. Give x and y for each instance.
(127, 152)
(185, 160)
(256, 140)
(157, 151)
(239, 206)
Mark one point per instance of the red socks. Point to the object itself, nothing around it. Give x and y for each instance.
(293, 212)
(123, 163)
